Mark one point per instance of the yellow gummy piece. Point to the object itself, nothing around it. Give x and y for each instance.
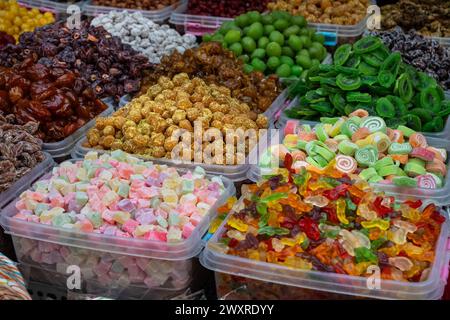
(340, 211)
(377, 223)
(121, 216)
(336, 128)
(237, 224)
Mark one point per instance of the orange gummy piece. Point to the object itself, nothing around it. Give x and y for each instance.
(402, 158)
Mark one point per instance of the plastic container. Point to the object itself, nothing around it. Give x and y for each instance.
(444, 134)
(199, 25)
(54, 249)
(156, 15)
(445, 42)
(238, 277)
(61, 150)
(233, 172)
(440, 196)
(59, 8)
(20, 185)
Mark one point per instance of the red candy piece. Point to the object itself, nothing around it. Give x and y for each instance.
(334, 194)
(332, 216)
(310, 227)
(233, 243)
(436, 216)
(380, 209)
(291, 127)
(414, 204)
(423, 154)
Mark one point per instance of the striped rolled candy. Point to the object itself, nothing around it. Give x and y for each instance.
(349, 127)
(291, 127)
(374, 124)
(345, 164)
(400, 148)
(428, 181)
(418, 140)
(366, 156)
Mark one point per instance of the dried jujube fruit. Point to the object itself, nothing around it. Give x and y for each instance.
(225, 8)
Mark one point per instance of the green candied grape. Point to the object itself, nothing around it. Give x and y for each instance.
(299, 21)
(294, 29)
(227, 26)
(353, 61)
(295, 43)
(273, 49)
(248, 68)
(263, 42)
(268, 29)
(242, 20)
(404, 87)
(385, 108)
(232, 36)
(303, 61)
(283, 71)
(359, 97)
(273, 63)
(430, 99)
(244, 58)
(258, 65)
(318, 37)
(248, 44)
(287, 51)
(372, 59)
(254, 16)
(280, 14)
(259, 53)
(207, 37)
(366, 69)
(266, 19)
(423, 114)
(413, 122)
(399, 105)
(256, 30)
(342, 54)
(296, 70)
(277, 37)
(281, 24)
(287, 60)
(236, 48)
(348, 82)
(218, 37)
(367, 44)
(306, 41)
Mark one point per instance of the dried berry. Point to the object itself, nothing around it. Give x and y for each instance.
(135, 4)
(225, 8)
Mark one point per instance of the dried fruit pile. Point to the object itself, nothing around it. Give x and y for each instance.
(55, 98)
(150, 5)
(110, 67)
(216, 65)
(225, 8)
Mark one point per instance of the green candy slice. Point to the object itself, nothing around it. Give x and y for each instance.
(366, 156)
(342, 54)
(405, 182)
(367, 44)
(348, 82)
(368, 173)
(385, 108)
(374, 124)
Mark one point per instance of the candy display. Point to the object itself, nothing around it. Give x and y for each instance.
(216, 65)
(110, 67)
(347, 12)
(12, 285)
(144, 35)
(55, 98)
(16, 19)
(135, 4)
(368, 76)
(276, 42)
(20, 150)
(225, 8)
(423, 53)
(429, 18)
(364, 146)
(325, 222)
(148, 125)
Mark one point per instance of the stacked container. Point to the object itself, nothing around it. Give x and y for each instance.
(53, 254)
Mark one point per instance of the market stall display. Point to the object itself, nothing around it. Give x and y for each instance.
(135, 4)
(271, 43)
(369, 76)
(224, 8)
(12, 285)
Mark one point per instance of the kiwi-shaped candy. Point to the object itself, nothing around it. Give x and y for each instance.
(395, 122)
(399, 106)
(349, 109)
(413, 122)
(386, 78)
(392, 63)
(338, 102)
(330, 81)
(322, 107)
(347, 70)
(435, 125)
(385, 108)
(342, 54)
(404, 87)
(353, 61)
(367, 69)
(369, 80)
(313, 97)
(367, 44)
(372, 59)
(423, 114)
(445, 108)
(359, 97)
(425, 81)
(348, 82)
(430, 99)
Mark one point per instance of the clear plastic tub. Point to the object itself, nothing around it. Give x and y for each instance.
(59, 8)
(61, 150)
(20, 185)
(440, 196)
(112, 262)
(444, 134)
(445, 42)
(232, 172)
(156, 15)
(242, 278)
(199, 25)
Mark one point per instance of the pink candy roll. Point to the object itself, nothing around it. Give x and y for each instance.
(345, 164)
(427, 181)
(291, 127)
(422, 153)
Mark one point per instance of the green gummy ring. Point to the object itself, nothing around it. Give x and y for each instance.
(399, 105)
(430, 99)
(353, 61)
(404, 87)
(366, 156)
(386, 161)
(385, 108)
(347, 147)
(372, 59)
(349, 127)
(388, 170)
(386, 78)
(313, 162)
(417, 161)
(368, 173)
(321, 161)
(324, 153)
(301, 145)
(299, 113)
(347, 82)
(423, 114)
(320, 132)
(405, 182)
(342, 54)
(367, 44)
(374, 124)
(359, 97)
(413, 122)
(413, 169)
(400, 148)
(328, 81)
(367, 70)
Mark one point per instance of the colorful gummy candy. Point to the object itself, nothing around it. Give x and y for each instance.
(365, 146)
(367, 75)
(120, 195)
(324, 221)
